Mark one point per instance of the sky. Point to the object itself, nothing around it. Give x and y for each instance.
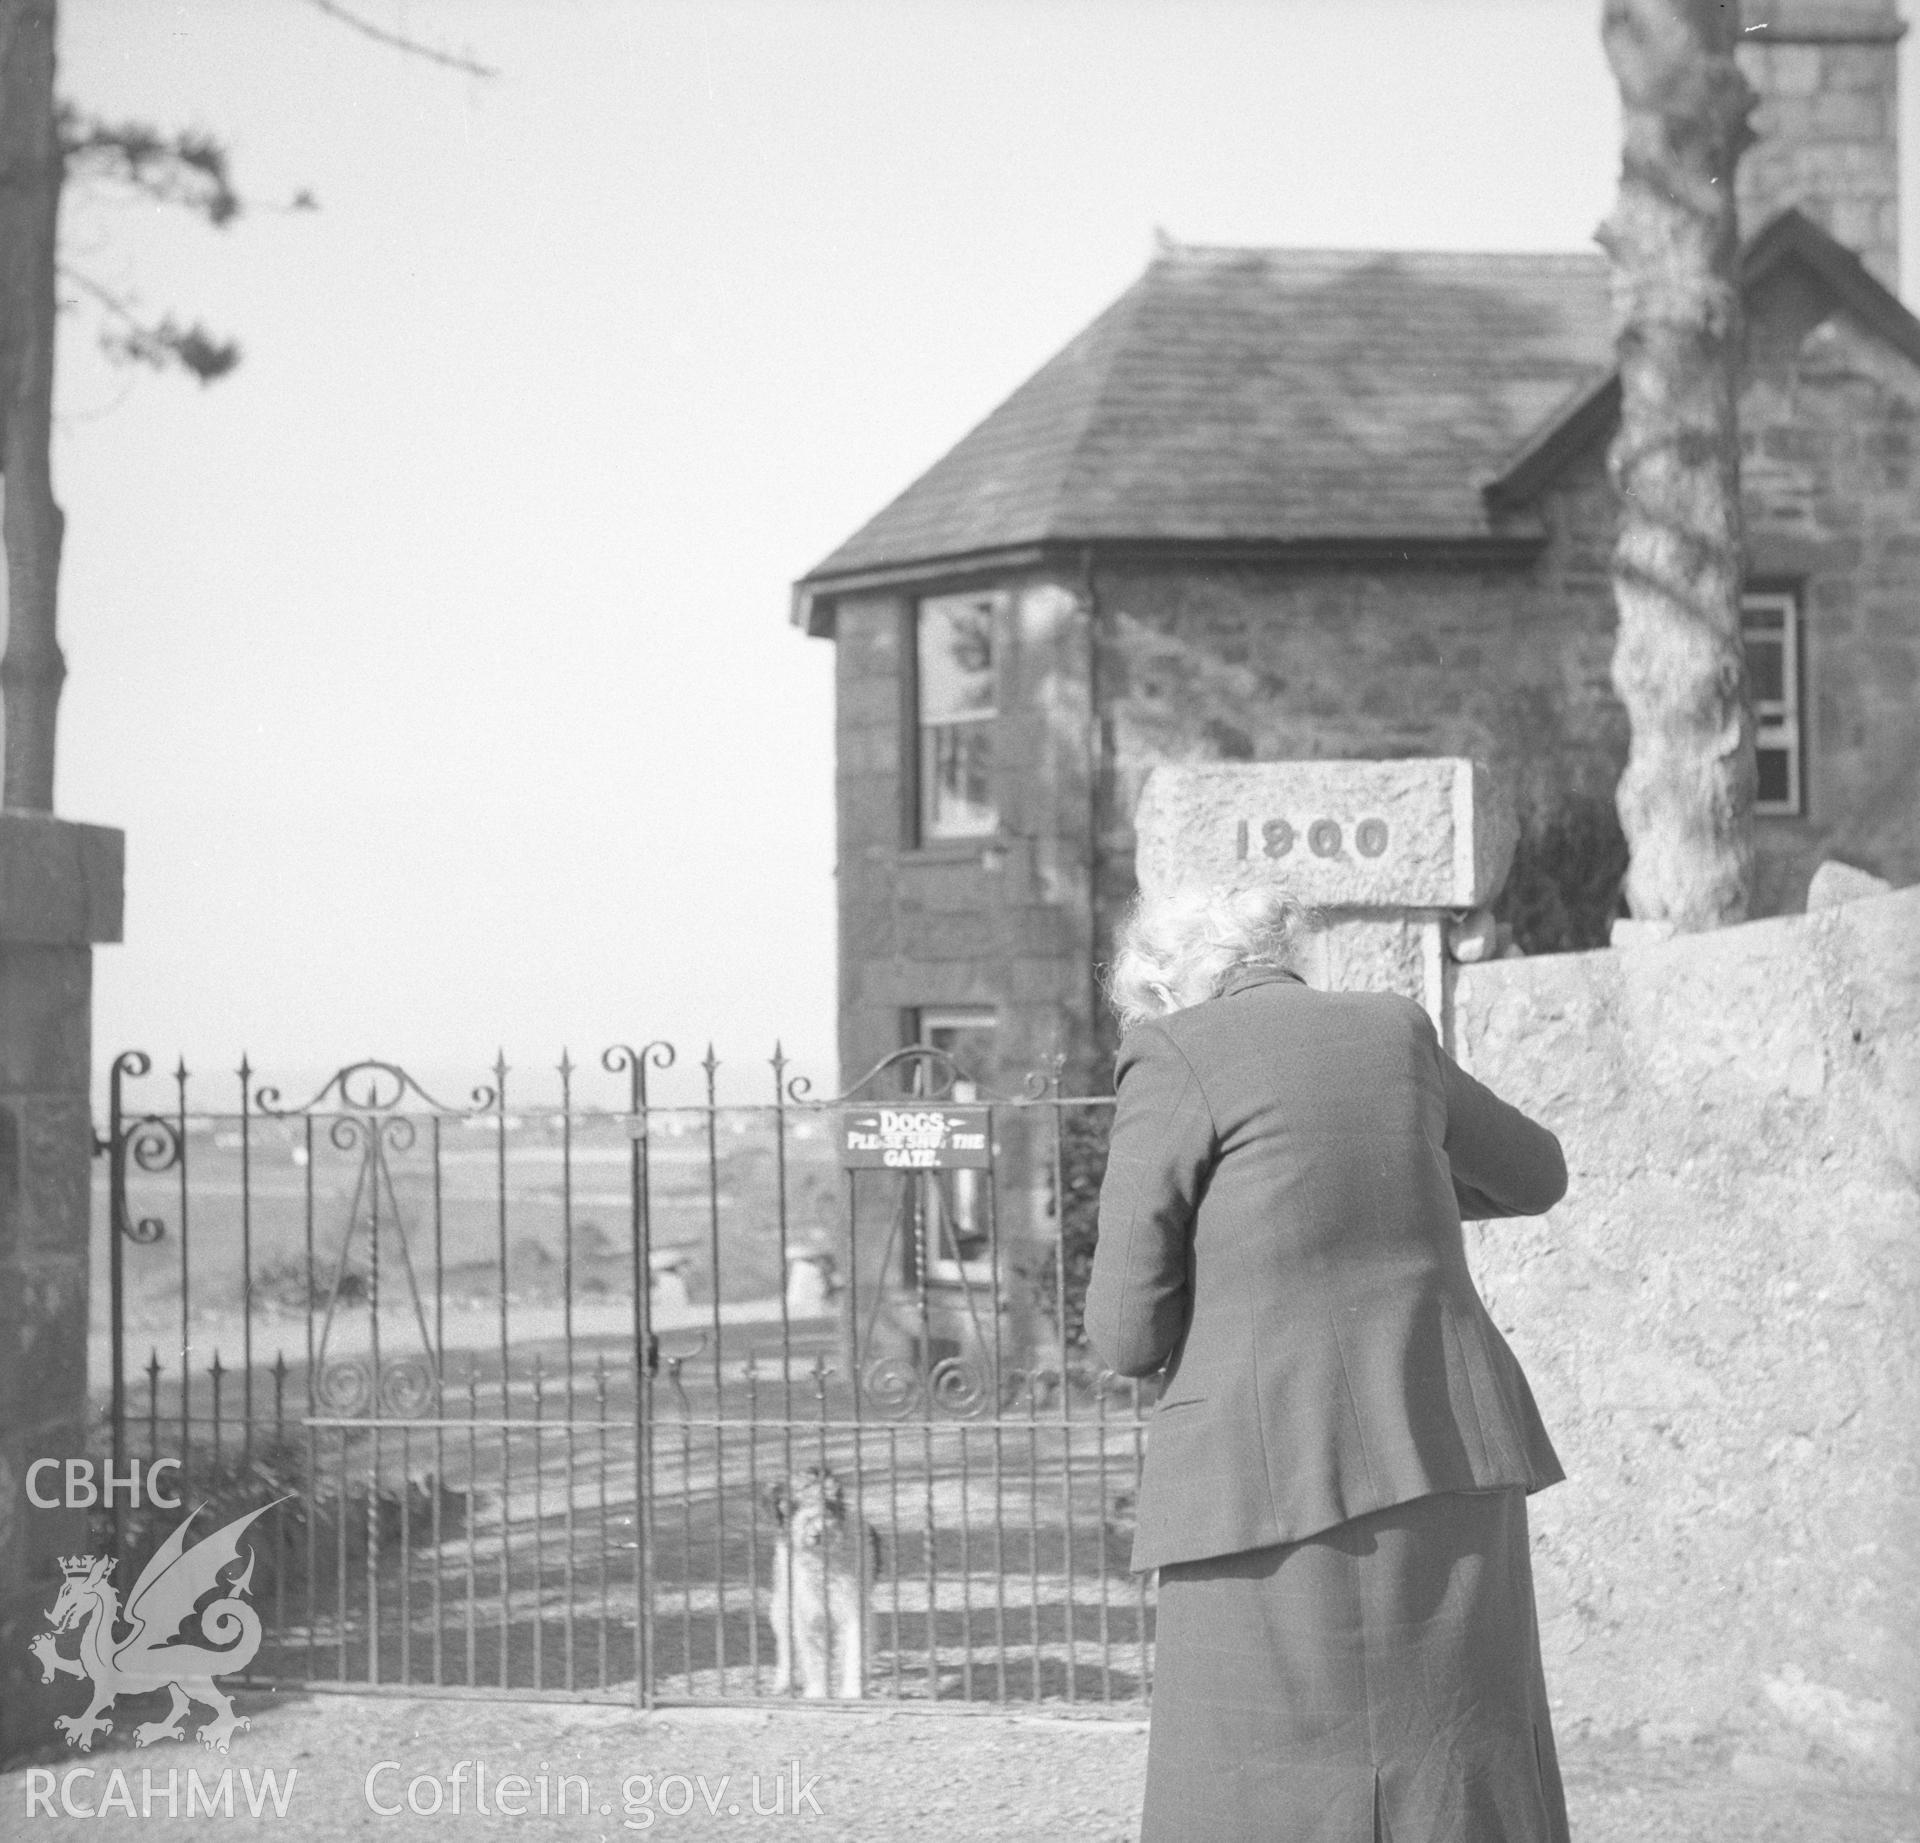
(437, 663)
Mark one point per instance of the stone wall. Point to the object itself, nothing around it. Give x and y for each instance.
(1722, 1324)
(1269, 664)
(1103, 680)
(1253, 663)
(1001, 922)
(1830, 474)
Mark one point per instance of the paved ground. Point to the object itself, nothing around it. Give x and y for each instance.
(884, 1776)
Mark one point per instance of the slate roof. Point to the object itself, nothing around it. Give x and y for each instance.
(1339, 398)
(1268, 395)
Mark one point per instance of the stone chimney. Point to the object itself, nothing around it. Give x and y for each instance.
(1825, 75)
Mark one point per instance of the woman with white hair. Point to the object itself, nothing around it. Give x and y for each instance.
(1336, 1475)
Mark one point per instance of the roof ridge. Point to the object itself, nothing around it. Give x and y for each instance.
(1177, 251)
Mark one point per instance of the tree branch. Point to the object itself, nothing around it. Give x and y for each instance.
(187, 168)
(160, 343)
(453, 60)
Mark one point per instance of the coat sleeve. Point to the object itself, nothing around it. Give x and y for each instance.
(1504, 1164)
(1161, 1151)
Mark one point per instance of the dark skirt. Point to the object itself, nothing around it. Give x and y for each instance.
(1377, 1683)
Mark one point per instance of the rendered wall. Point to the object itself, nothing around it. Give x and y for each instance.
(1722, 1324)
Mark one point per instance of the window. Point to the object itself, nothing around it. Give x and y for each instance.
(952, 1205)
(954, 711)
(1770, 626)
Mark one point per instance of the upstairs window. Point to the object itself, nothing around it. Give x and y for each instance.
(954, 711)
(1770, 627)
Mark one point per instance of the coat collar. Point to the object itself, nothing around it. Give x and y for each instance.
(1245, 978)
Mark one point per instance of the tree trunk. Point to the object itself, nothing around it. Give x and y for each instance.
(32, 669)
(1686, 798)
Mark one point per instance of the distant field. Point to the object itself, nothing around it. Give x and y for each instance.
(241, 1210)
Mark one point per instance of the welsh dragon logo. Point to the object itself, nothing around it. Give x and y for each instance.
(155, 1655)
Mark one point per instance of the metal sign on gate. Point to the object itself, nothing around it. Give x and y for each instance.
(923, 1138)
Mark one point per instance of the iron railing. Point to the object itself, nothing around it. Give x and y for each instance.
(531, 1375)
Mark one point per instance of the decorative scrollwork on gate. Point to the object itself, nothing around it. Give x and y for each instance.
(961, 1386)
(371, 1111)
(150, 1141)
(891, 1386)
(409, 1386)
(344, 1386)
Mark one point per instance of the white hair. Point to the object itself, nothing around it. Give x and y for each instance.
(1180, 948)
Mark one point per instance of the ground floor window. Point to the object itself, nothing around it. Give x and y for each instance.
(954, 1229)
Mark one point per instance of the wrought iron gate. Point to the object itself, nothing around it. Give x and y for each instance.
(533, 1378)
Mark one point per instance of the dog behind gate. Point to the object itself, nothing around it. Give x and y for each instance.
(824, 1563)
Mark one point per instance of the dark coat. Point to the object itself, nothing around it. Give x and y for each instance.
(1280, 1228)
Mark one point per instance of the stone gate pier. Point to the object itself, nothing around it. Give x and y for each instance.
(1722, 1319)
(60, 889)
(1395, 855)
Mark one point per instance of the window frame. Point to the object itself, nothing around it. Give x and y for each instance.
(1780, 723)
(966, 1192)
(916, 832)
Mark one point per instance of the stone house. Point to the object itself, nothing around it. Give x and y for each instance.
(1287, 503)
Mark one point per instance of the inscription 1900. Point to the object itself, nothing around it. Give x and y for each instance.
(1324, 838)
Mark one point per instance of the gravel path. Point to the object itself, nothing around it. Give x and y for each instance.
(878, 1776)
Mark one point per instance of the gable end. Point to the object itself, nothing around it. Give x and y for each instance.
(1790, 238)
